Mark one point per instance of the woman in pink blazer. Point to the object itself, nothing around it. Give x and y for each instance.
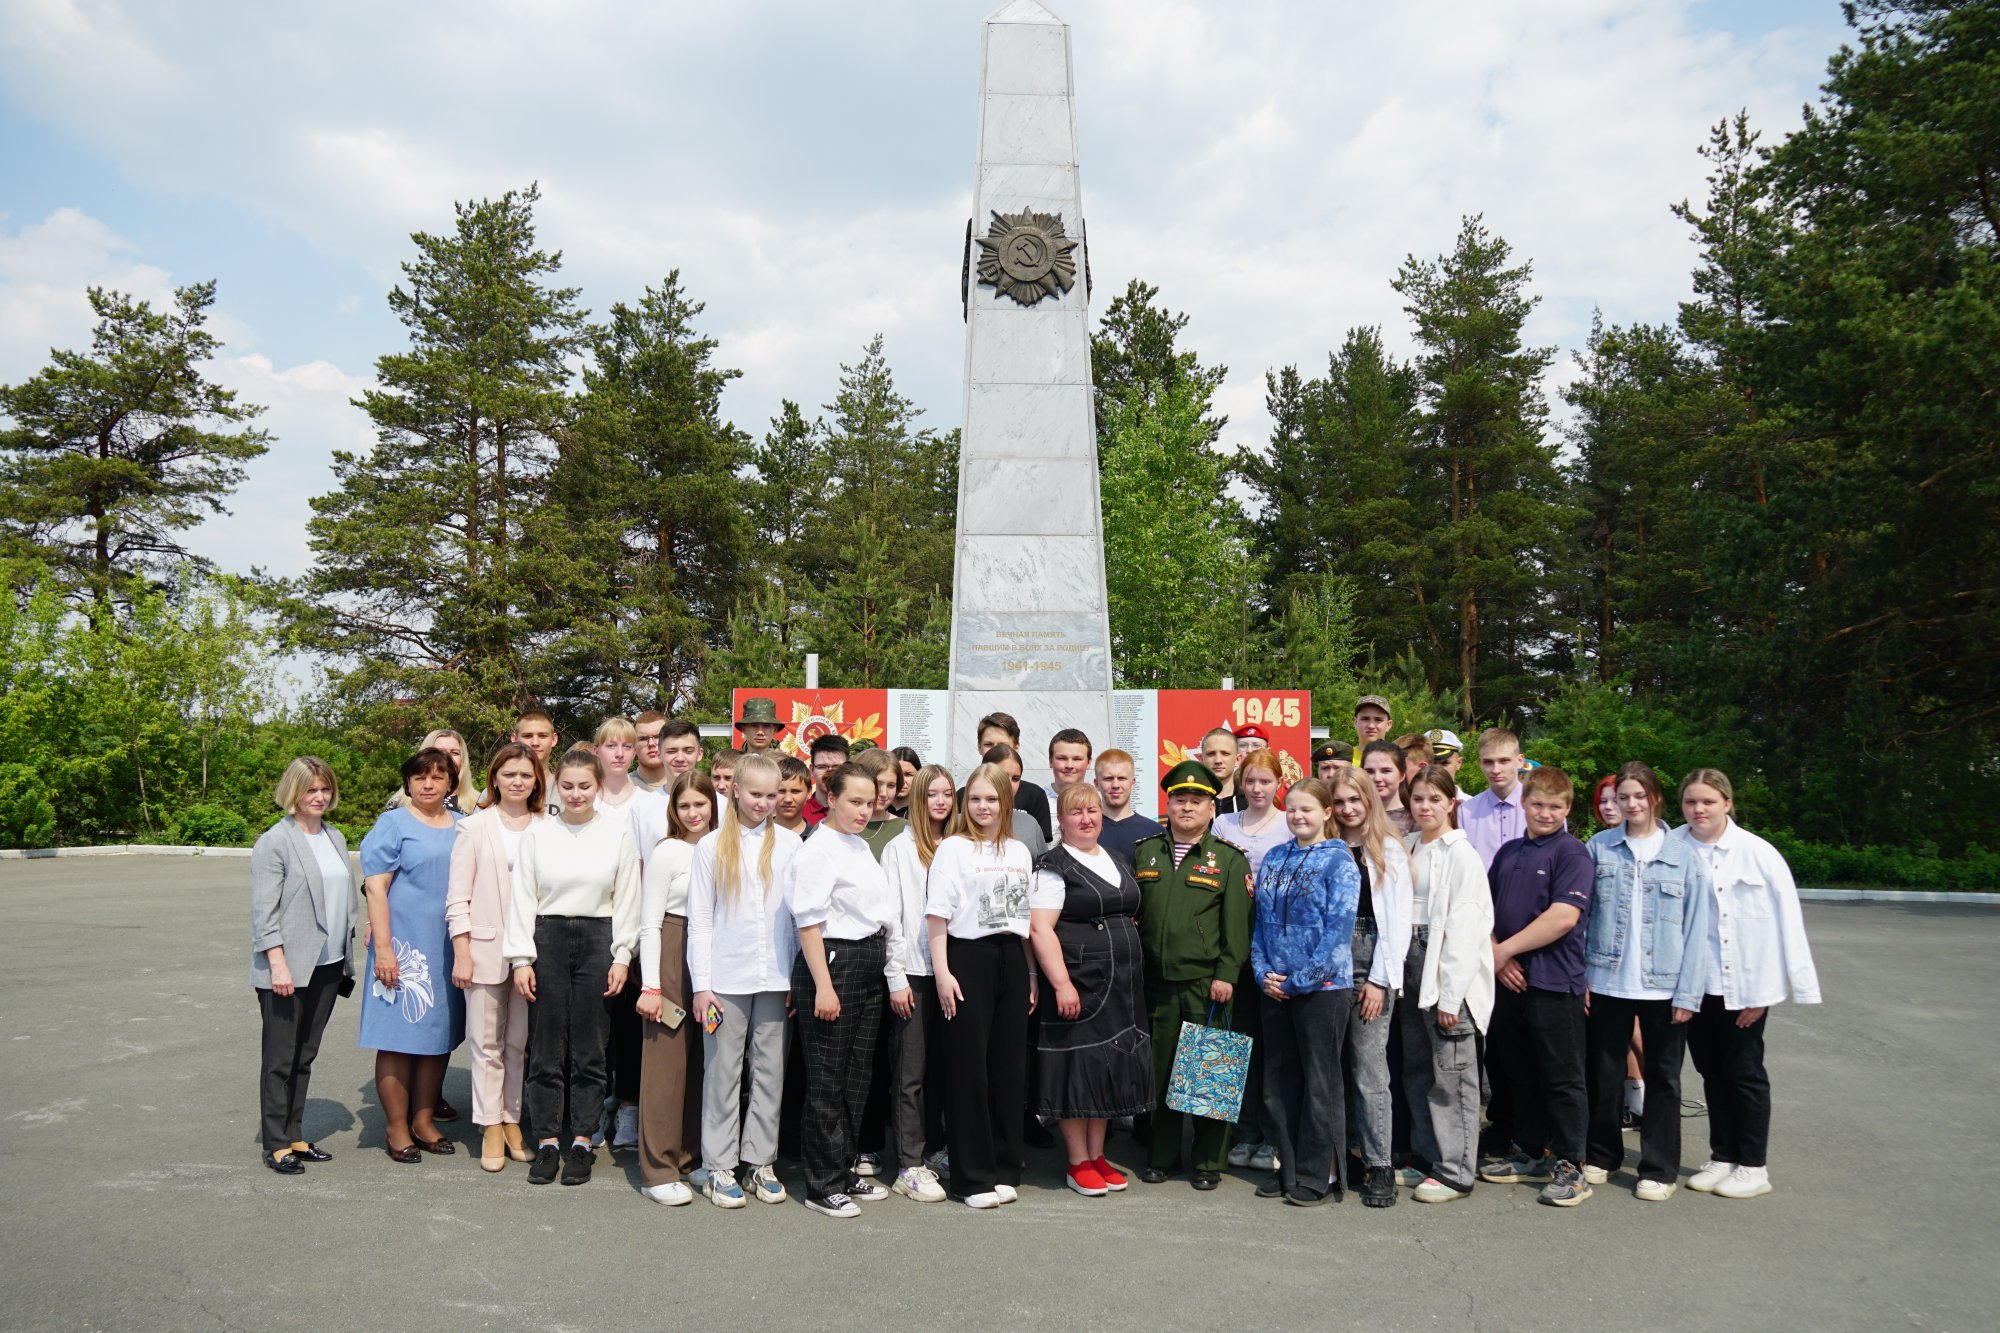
(496, 1016)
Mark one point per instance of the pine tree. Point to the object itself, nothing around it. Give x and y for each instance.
(1498, 520)
(1136, 350)
(427, 574)
(650, 486)
(109, 457)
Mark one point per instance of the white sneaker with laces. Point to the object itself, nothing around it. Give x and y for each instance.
(919, 1185)
(1712, 1173)
(867, 1164)
(1006, 1193)
(865, 1190)
(1239, 1153)
(673, 1194)
(723, 1191)
(764, 1183)
(1745, 1182)
(1596, 1175)
(1654, 1191)
(626, 1135)
(988, 1200)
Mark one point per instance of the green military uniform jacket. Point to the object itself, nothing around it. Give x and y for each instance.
(1194, 919)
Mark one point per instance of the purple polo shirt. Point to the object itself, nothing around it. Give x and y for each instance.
(1491, 823)
(1527, 877)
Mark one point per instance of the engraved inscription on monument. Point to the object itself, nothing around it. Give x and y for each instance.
(1015, 650)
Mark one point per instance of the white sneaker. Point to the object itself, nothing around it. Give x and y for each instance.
(988, 1200)
(865, 1190)
(1745, 1182)
(1006, 1193)
(1239, 1153)
(867, 1164)
(1264, 1158)
(834, 1205)
(1654, 1191)
(919, 1184)
(1712, 1173)
(673, 1194)
(1596, 1175)
(764, 1183)
(626, 1135)
(723, 1191)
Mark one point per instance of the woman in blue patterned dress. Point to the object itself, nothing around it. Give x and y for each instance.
(412, 1017)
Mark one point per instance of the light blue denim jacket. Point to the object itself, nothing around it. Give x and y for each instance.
(1675, 904)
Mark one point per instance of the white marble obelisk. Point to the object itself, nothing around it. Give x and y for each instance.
(1030, 635)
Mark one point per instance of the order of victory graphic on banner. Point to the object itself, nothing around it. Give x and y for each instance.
(1163, 726)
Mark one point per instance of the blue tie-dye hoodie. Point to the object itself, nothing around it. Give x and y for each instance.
(1306, 901)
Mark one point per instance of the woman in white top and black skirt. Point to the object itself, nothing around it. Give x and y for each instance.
(977, 912)
(1095, 1058)
(850, 927)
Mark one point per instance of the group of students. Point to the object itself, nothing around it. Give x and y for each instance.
(818, 938)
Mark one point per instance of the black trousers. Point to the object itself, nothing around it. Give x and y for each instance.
(1305, 1093)
(564, 1095)
(839, 1057)
(625, 1038)
(293, 1026)
(1730, 1060)
(1537, 1040)
(1609, 1034)
(988, 1044)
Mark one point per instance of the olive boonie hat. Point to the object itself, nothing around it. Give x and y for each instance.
(1190, 775)
(760, 711)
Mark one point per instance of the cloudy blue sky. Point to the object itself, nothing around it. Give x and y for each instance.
(808, 168)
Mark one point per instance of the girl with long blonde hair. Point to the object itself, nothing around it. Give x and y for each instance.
(1381, 943)
(740, 947)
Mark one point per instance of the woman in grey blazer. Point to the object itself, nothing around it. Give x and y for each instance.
(302, 900)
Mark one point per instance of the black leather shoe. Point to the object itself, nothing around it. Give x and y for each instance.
(312, 1153)
(1300, 1197)
(440, 1145)
(1153, 1175)
(444, 1112)
(405, 1156)
(1378, 1187)
(1271, 1188)
(285, 1163)
(1206, 1180)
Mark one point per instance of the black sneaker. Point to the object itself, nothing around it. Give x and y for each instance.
(1378, 1187)
(1271, 1188)
(548, 1161)
(1301, 1197)
(577, 1163)
(1566, 1188)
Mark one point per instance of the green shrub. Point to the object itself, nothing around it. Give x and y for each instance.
(210, 826)
(27, 815)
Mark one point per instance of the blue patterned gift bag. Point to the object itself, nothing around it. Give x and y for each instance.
(1211, 1065)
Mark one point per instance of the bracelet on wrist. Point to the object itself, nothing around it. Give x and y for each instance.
(649, 990)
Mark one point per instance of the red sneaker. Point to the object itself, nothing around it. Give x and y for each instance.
(1083, 1178)
(1113, 1178)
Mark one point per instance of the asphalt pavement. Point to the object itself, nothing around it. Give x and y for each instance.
(132, 1197)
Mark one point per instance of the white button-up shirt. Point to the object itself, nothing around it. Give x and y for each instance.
(835, 884)
(1757, 939)
(746, 947)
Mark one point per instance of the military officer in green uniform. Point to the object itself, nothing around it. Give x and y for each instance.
(1194, 923)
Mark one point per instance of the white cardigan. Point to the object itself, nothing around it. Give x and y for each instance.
(1392, 895)
(908, 877)
(1757, 936)
(1458, 963)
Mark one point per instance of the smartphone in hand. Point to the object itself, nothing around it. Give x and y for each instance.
(711, 1018)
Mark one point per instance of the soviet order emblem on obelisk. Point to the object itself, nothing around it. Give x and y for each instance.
(1029, 635)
